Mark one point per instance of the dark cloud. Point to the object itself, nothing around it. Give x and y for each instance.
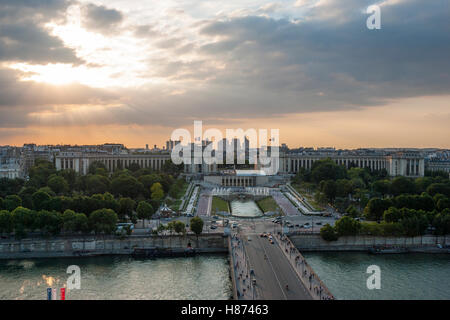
(324, 63)
(101, 19)
(261, 67)
(23, 36)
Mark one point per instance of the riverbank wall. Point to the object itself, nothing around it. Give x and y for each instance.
(314, 242)
(96, 246)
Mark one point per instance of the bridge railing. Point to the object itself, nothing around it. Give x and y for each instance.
(310, 279)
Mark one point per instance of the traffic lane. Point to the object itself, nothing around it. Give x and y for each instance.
(267, 286)
(285, 272)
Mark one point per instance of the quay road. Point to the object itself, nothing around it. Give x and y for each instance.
(271, 274)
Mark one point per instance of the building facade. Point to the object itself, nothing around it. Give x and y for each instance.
(80, 162)
(398, 164)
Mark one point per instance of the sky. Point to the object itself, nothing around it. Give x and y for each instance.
(132, 71)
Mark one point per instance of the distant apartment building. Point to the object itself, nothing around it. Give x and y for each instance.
(10, 162)
(438, 165)
(30, 153)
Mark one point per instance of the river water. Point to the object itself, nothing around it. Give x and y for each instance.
(403, 276)
(200, 277)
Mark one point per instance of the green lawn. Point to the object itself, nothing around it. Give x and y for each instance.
(219, 204)
(268, 204)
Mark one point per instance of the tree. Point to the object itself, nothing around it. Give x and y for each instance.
(327, 169)
(171, 226)
(40, 172)
(126, 186)
(49, 222)
(171, 168)
(6, 222)
(68, 219)
(40, 200)
(133, 167)
(81, 223)
(441, 223)
(144, 211)
(23, 221)
(414, 223)
(176, 188)
(196, 225)
(329, 188)
(70, 176)
(382, 187)
(402, 185)
(96, 183)
(103, 221)
(126, 207)
(302, 175)
(11, 202)
(96, 165)
(344, 187)
(157, 191)
(347, 226)
(392, 215)
(443, 204)
(422, 183)
(58, 184)
(362, 174)
(328, 233)
(180, 227)
(75, 222)
(10, 186)
(442, 188)
(352, 211)
(26, 195)
(375, 208)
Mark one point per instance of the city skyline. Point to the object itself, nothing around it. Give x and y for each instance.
(87, 72)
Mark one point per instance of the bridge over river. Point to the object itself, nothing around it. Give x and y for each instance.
(272, 266)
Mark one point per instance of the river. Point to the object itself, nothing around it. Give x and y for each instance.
(403, 276)
(118, 277)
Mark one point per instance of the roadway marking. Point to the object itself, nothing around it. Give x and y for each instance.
(276, 277)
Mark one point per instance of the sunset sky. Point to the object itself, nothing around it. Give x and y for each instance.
(132, 71)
